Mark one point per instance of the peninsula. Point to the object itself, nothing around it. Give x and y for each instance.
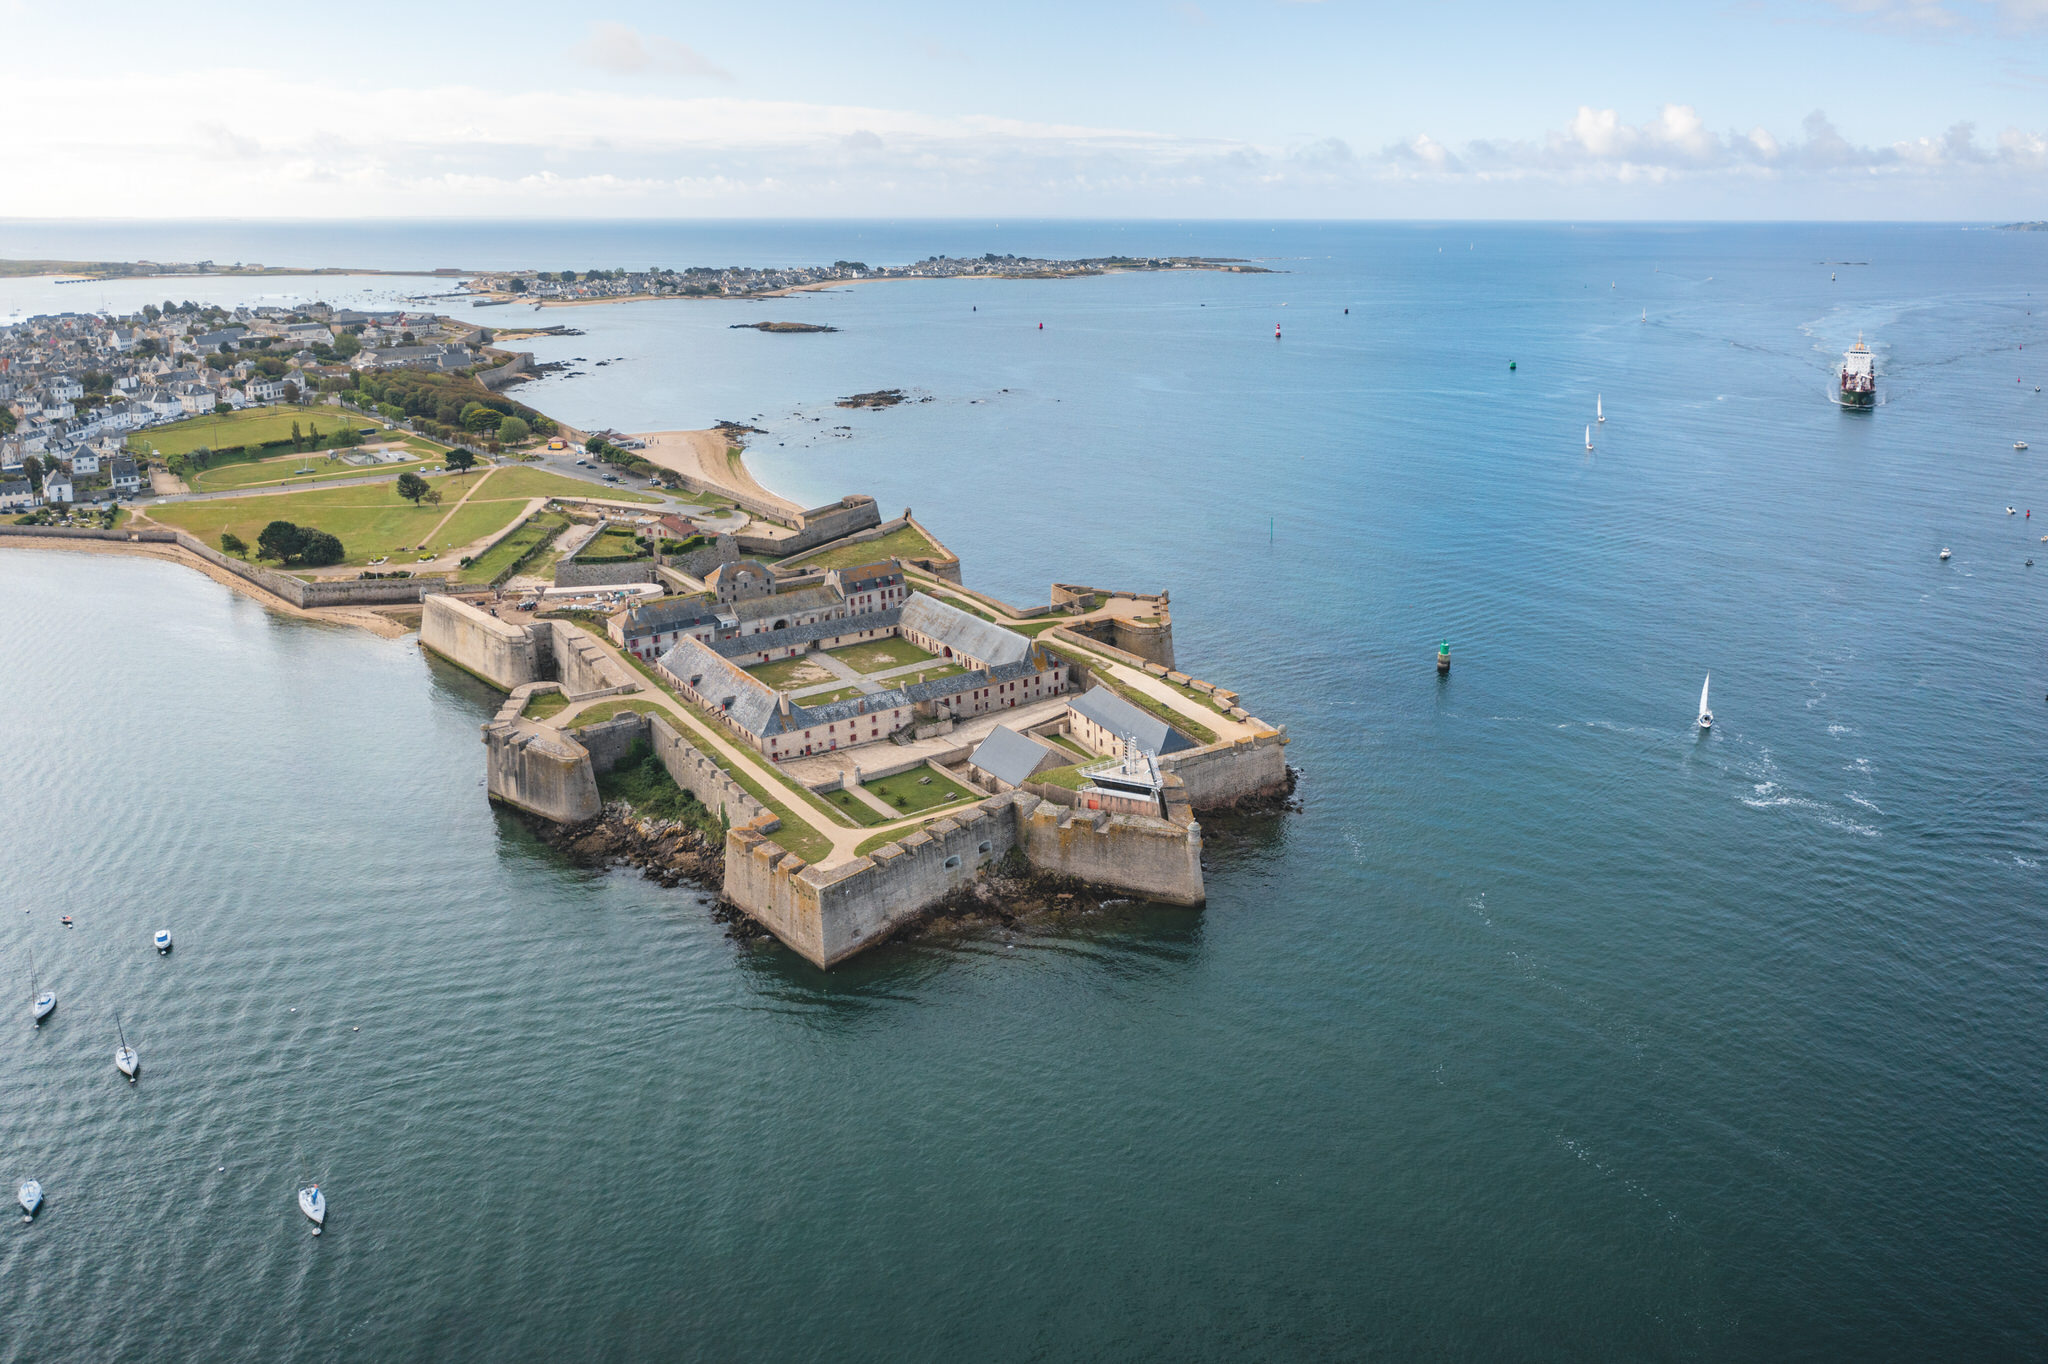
(850, 738)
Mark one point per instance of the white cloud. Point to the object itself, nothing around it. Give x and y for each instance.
(1963, 16)
(625, 51)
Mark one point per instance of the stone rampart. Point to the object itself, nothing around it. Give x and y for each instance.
(1223, 774)
(828, 915)
(608, 741)
(817, 527)
(1154, 859)
(501, 653)
(568, 574)
(581, 666)
(536, 768)
(696, 772)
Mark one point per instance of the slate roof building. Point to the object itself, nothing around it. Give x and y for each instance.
(1004, 670)
(1102, 720)
(1011, 758)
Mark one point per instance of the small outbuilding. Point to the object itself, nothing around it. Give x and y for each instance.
(1010, 759)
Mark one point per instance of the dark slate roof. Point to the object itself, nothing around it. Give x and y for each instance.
(882, 573)
(671, 613)
(795, 635)
(971, 635)
(785, 603)
(1120, 717)
(1009, 756)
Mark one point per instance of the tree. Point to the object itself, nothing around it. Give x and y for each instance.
(280, 540)
(593, 445)
(460, 459)
(319, 549)
(412, 487)
(291, 391)
(33, 467)
(222, 409)
(512, 430)
(295, 437)
(231, 543)
(433, 497)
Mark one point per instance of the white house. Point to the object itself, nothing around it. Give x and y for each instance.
(57, 486)
(85, 460)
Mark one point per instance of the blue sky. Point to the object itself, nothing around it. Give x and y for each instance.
(1229, 108)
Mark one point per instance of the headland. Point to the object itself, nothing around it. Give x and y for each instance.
(851, 738)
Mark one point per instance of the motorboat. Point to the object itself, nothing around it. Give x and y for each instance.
(1944, 553)
(30, 1196)
(163, 940)
(2020, 444)
(2010, 512)
(313, 1203)
(1706, 716)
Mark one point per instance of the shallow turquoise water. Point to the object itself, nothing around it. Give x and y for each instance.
(1547, 1029)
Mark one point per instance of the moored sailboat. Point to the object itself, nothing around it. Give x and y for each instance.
(30, 1196)
(41, 1002)
(125, 1059)
(313, 1203)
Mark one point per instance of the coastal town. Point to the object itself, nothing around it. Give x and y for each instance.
(569, 286)
(852, 737)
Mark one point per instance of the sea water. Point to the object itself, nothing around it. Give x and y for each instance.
(1548, 1027)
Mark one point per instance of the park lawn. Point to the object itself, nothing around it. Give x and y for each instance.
(876, 654)
(917, 790)
(524, 482)
(857, 809)
(542, 704)
(250, 426)
(903, 543)
(370, 520)
(283, 470)
(607, 710)
(506, 552)
(785, 673)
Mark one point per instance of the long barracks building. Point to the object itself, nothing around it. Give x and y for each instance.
(1004, 670)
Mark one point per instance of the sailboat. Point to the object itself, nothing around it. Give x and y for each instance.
(125, 1059)
(313, 1203)
(1706, 716)
(1599, 413)
(1589, 438)
(41, 1001)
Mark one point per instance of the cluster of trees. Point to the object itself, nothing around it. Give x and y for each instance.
(447, 406)
(288, 544)
(620, 459)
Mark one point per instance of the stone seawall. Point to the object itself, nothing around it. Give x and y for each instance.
(536, 768)
(299, 592)
(503, 654)
(816, 527)
(828, 915)
(1231, 772)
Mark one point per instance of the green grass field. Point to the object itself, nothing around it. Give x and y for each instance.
(541, 705)
(917, 790)
(785, 673)
(1069, 778)
(826, 697)
(523, 482)
(878, 654)
(250, 426)
(506, 552)
(282, 471)
(905, 543)
(372, 520)
(606, 710)
(856, 809)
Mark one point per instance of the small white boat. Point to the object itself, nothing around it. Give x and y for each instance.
(2010, 512)
(125, 1059)
(1598, 413)
(30, 1197)
(163, 940)
(41, 1001)
(1944, 553)
(313, 1203)
(1589, 438)
(2020, 444)
(1706, 716)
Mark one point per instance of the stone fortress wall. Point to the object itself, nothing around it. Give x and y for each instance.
(298, 591)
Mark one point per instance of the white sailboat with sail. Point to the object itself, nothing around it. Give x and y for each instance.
(1706, 716)
(1599, 414)
(1589, 438)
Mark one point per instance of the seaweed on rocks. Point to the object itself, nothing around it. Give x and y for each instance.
(666, 850)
